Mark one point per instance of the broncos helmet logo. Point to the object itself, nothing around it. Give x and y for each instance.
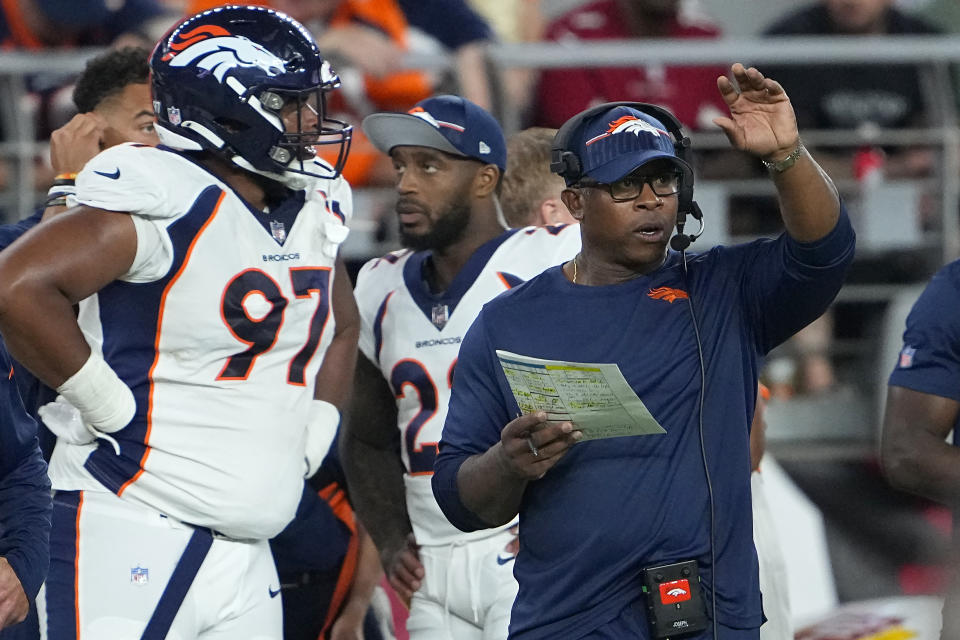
(213, 49)
(627, 124)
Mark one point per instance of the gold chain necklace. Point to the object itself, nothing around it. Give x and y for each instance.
(574, 270)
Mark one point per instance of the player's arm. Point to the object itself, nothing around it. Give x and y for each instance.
(914, 453)
(334, 378)
(369, 449)
(46, 272)
(762, 122)
(349, 624)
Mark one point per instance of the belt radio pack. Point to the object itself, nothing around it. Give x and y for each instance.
(675, 606)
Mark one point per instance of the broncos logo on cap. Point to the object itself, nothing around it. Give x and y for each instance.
(631, 124)
(422, 113)
(214, 49)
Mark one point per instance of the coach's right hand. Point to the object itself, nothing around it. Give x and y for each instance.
(530, 446)
(13, 601)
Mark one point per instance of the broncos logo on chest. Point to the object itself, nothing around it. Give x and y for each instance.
(214, 49)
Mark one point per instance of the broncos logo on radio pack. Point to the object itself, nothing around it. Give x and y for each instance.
(214, 49)
(627, 124)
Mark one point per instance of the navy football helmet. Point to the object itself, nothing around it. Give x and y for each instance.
(246, 82)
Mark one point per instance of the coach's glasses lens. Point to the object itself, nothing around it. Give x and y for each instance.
(629, 188)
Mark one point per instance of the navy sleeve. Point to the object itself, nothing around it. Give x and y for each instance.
(787, 284)
(452, 22)
(476, 415)
(929, 360)
(10, 232)
(25, 500)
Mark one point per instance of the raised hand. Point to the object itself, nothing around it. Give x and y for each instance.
(761, 119)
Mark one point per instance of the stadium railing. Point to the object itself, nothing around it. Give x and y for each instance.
(936, 55)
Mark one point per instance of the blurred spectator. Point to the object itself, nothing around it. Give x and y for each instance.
(36, 25)
(857, 96)
(531, 192)
(689, 92)
(40, 24)
(515, 21)
(804, 367)
(369, 38)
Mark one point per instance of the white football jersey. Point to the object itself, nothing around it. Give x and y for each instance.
(219, 329)
(414, 336)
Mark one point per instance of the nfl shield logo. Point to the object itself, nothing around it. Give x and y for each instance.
(906, 357)
(439, 315)
(173, 115)
(139, 575)
(278, 231)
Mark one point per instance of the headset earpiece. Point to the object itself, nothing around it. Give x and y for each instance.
(564, 162)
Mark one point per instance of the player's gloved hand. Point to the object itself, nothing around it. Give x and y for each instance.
(64, 420)
(321, 430)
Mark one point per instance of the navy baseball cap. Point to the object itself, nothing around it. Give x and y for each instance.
(448, 123)
(619, 141)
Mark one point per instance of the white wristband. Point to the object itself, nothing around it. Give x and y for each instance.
(321, 430)
(62, 190)
(104, 401)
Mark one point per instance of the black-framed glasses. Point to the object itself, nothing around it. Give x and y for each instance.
(663, 183)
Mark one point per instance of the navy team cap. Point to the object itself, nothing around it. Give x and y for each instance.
(448, 123)
(619, 141)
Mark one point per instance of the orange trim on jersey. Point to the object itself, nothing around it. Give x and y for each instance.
(394, 91)
(10, 376)
(325, 320)
(450, 373)
(76, 568)
(18, 26)
(156, 342)
(337, 499)
(504, 280)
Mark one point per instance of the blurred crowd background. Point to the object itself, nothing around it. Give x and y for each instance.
(873, 85)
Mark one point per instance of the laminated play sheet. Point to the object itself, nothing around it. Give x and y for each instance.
(594, 397)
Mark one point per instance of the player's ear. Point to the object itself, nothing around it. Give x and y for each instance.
(486, 180)
(573, 199)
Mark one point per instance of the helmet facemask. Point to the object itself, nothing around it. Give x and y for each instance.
(306, 127)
